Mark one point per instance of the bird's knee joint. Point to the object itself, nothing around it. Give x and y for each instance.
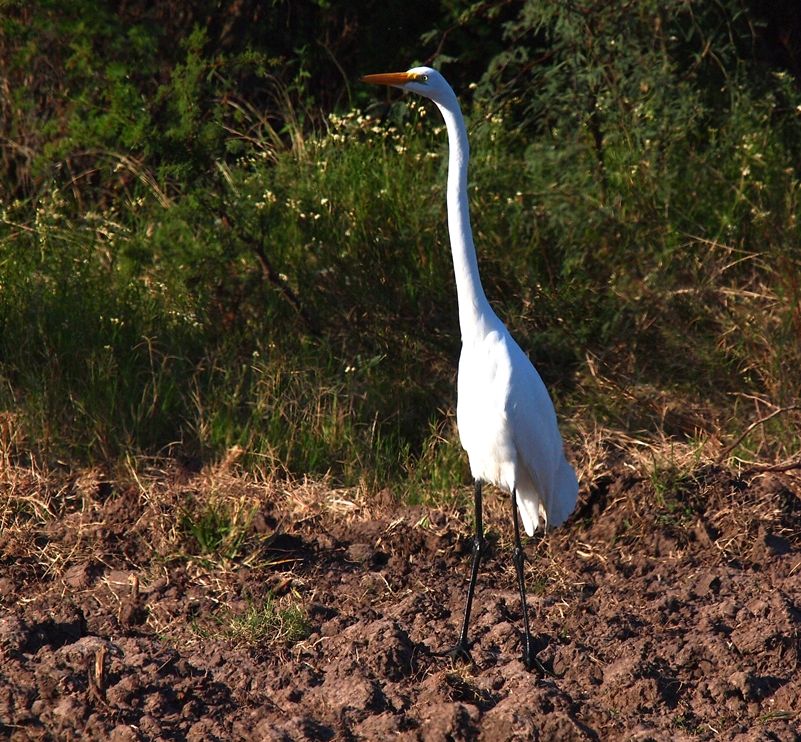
(478, 545)
(518, 556)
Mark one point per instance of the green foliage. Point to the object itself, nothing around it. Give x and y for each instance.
(87, 346)
(166, 82)
(193, 256)
(660, 185)
(153, 326)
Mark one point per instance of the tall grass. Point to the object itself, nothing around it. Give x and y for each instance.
(299, 302)
(153, 327)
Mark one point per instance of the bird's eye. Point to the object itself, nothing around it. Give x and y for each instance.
(422, 78)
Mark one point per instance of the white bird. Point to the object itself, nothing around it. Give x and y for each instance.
(506, 420)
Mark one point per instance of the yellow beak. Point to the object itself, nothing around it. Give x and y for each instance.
(389, 78)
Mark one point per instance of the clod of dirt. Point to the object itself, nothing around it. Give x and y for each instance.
(671, 617)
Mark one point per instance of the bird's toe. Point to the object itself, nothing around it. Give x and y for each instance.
(459, 653)
(533, 664)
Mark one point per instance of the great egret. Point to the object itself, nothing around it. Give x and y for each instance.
(506, 420)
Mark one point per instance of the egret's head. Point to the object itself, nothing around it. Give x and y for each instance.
(421, 80)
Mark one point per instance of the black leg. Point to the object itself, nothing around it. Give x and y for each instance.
(462, 649)
(528, 653)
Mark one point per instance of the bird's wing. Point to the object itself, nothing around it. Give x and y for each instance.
(551, 482)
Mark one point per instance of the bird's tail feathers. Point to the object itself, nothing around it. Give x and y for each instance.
(531, 511)
(553, 509)
(564, 495)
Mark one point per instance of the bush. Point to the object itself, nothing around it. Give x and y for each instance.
(191, 261)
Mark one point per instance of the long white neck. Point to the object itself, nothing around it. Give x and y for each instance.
(473, 304)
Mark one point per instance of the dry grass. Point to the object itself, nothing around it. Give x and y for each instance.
(631, 488)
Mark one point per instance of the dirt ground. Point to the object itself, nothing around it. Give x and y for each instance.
(668, 608)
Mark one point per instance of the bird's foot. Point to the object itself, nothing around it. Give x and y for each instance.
(532, 663)
(460, 653)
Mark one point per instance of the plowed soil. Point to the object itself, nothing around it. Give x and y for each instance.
(668, 607)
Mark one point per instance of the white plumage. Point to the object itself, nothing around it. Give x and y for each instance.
(506, 420)
(507, 425)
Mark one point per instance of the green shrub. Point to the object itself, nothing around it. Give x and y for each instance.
(216, 267)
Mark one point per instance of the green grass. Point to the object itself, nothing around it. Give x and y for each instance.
(215, 529)
(666, 300)
(268, 621)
